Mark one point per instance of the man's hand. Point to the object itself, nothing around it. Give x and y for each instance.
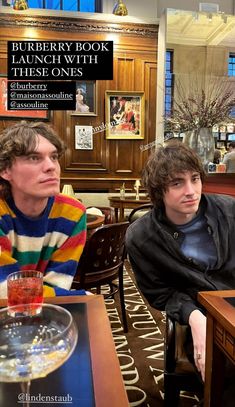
(197, 322)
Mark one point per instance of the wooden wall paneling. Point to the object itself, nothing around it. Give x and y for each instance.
(150, 93)
(125, 73)
(3, 57)
(148, 143)
(113, 84)
(135, 54)
(138, 158)
(83, 160)
(143, 147)
(139, 74)
(124, 157)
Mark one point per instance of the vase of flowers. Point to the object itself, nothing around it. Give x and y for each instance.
(202, 141)
(197, 109)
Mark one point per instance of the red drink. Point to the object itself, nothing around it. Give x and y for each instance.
(25, 287)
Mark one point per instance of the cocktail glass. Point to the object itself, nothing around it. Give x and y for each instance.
(32, 346)
(25, 287)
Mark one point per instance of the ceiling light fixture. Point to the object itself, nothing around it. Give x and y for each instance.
(20, 5)
(120, 9)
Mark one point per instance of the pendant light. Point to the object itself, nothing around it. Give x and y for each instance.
(120, 9)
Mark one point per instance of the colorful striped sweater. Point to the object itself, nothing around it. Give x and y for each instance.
(51, 243)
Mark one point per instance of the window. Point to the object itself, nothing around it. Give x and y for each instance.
(168, 83)
(231, 137)
(231, 64)
(89, 6)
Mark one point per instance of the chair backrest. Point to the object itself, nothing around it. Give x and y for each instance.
(108, 212)
(103, 255)
(139, 211)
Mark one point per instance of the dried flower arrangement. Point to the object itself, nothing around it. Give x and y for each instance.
(201, 106)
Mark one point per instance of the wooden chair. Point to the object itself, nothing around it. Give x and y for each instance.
(180, 374)
(139, 211)
(102, 262)
(108, 212)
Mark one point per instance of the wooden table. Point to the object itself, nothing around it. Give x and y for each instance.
(93, 223)
(106, 375)
(220, 342)
(128, 203)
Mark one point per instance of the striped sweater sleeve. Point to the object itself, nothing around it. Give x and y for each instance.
(51, 244)
(69, 219)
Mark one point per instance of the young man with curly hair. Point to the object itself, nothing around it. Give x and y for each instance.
(185, 244)
(40, 229)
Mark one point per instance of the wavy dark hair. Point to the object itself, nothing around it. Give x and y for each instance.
(21, 139)
(163, 164)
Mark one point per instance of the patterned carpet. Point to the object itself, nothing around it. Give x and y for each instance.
(141, 350)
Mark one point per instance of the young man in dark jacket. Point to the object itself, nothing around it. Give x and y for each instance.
(185, 244)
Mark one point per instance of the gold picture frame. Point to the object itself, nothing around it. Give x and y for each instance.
(86, 99)
(124, 114)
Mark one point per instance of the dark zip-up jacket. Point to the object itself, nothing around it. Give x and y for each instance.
(169, 280)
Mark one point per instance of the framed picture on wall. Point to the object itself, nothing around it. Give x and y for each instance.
(23, 114)
(83, 138)
(86, 99)
(124, 115)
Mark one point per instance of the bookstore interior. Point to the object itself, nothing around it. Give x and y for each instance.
(183, 84)
(200, 79)
(172, 79)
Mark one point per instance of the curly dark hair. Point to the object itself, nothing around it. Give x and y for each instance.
(163, 164)
(21, 139)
